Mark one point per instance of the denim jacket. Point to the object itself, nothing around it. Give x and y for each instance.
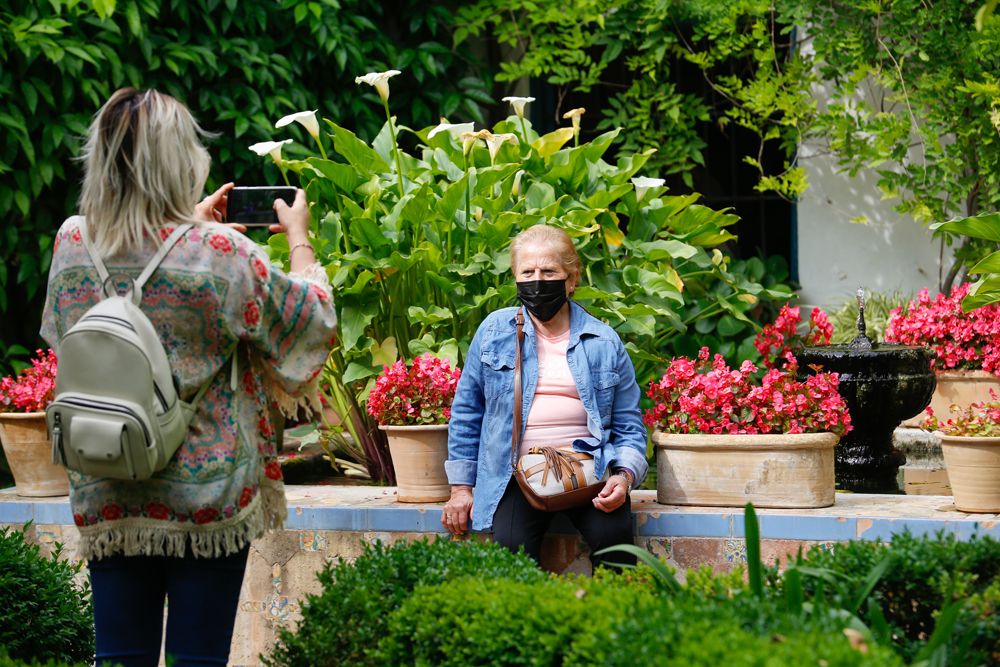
(479, 432)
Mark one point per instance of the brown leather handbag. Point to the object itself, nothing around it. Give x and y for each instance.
(552, 478)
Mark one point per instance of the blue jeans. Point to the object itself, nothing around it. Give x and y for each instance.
(129, 594)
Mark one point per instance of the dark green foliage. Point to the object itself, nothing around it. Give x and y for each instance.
(7, 661)
(718, 330)
(924, 575)
(344, 624)
(239, 66)
(44, 614)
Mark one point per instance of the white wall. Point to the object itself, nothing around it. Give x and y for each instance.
(835, 256)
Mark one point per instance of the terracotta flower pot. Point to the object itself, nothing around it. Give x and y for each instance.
(962, 388)
(974, 471)
(418, 456)
(29, 454)
(776, 470)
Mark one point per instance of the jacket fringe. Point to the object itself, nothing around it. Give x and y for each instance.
(151, 537)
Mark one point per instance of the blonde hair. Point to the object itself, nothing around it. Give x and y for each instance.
(144, 166)
(552, 237)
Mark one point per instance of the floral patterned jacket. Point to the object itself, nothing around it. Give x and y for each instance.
(216, 294)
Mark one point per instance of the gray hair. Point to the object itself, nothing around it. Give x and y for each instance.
(553, 237)
(144, 166)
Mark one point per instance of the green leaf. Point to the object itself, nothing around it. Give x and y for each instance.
(985, 226)
(982, 293)
(353, 322)
(104, 8)
(357, 152)
(384, 354)
(355, 372)
(755, 569)
(729, 326)
(344, 176)
(989, 264)
(548, 144)
(432, 315)
(539, 195)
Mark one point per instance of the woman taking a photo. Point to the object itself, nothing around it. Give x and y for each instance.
(183, 535)
(579, 389)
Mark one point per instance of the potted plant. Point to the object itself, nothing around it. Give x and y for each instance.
(412, 404)
(727, 437)
(970, 442)
(966, 345)
(22, 428)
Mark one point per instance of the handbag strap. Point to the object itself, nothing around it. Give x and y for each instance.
(515, 437)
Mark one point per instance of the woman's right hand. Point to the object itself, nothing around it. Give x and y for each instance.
(292, 220)
(455, 515)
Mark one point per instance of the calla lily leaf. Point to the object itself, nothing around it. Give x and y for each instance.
(985, 226)
(433, 315)
(386, 353)
(548, 144)
(989, 264)
(356, 152)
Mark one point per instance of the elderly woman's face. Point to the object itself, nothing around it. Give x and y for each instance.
(541, 262)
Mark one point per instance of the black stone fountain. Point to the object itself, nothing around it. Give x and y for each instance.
(883, 384)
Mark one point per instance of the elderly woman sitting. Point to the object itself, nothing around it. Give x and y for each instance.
(579, 389)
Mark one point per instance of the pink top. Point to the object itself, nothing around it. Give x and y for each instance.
(557, 416)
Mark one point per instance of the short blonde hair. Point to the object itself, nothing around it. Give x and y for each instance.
(144, 166)
(552, 237)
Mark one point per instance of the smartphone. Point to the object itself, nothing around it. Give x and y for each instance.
(253, 205)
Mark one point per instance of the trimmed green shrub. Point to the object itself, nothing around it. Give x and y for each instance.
(44, 613)
(578, 623)
(925, 574)
(344, 624)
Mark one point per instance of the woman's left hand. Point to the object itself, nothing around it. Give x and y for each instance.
(613, 495)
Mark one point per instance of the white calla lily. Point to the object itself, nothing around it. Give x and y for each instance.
(306, 119)
(379, 80)
(272, 148)
(495, 141)
(469, 139)
(456, 130)
(642, 184)
(518, 103)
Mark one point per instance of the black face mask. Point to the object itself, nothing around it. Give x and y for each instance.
(542, 298)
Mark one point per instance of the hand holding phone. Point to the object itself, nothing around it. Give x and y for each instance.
(253, 206)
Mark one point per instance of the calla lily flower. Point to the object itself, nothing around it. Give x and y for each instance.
(272, 148)
(469, 139)
(642, 184)
(515, 188)
(454, 129)
(495, 141)
(574, 115)
(305, 118)
(380, 81)
(518, 104)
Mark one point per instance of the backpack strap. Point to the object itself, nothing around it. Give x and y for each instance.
(102, 271)
(154, 263)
